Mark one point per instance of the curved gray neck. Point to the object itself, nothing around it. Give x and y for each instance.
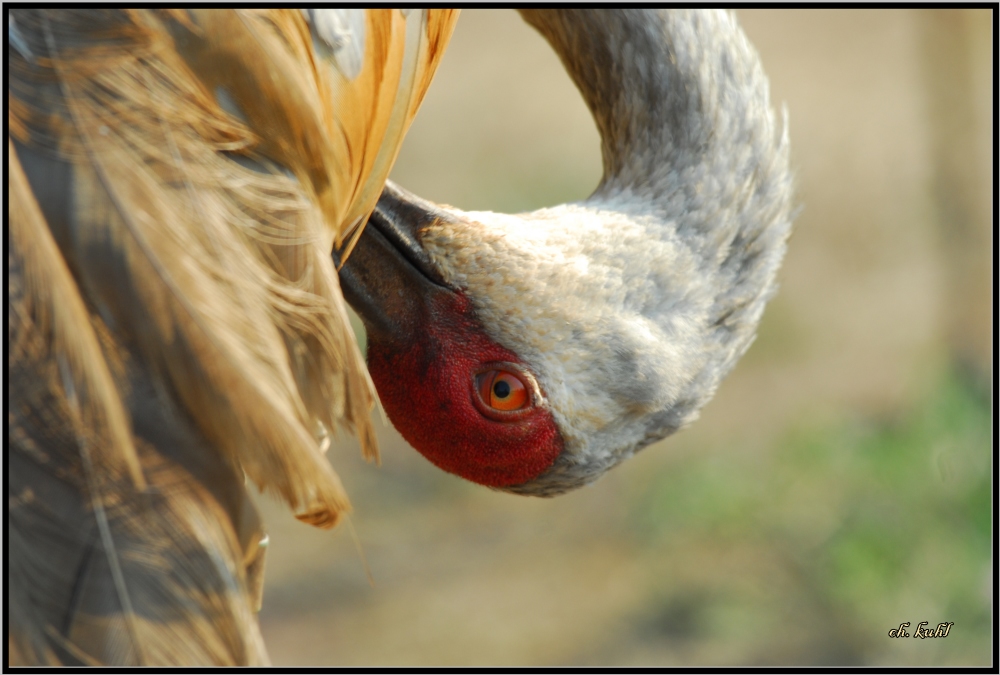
(672, 93)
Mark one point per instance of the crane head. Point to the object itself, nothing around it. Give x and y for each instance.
(470, 405)
(532, 353)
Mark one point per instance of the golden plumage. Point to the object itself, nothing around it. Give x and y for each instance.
(177, 180)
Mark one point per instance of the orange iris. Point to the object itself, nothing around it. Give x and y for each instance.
(502, 390)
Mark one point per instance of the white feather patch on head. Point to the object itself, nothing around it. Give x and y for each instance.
(599, 304)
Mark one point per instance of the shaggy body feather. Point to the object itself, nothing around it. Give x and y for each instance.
(176, 324)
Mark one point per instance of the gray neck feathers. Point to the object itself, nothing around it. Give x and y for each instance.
(673, 94)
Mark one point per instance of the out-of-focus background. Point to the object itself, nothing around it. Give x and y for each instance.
(840, 482)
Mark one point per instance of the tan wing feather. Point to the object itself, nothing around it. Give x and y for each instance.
(165, 246)
(427, 31)
(190, 293)
(51, 320)
(236, 304)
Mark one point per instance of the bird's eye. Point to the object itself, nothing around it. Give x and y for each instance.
(502, 390)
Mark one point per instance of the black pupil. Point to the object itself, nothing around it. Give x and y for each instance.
(501, 389)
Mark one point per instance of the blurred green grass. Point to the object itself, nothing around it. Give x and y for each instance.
(875, 521)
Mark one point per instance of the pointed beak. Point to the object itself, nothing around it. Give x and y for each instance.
(389, 279)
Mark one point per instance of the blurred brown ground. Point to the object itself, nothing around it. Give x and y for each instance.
(879, 291)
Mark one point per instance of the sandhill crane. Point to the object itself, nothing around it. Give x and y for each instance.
(177, 180)
(172, 325)
(531, 353)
